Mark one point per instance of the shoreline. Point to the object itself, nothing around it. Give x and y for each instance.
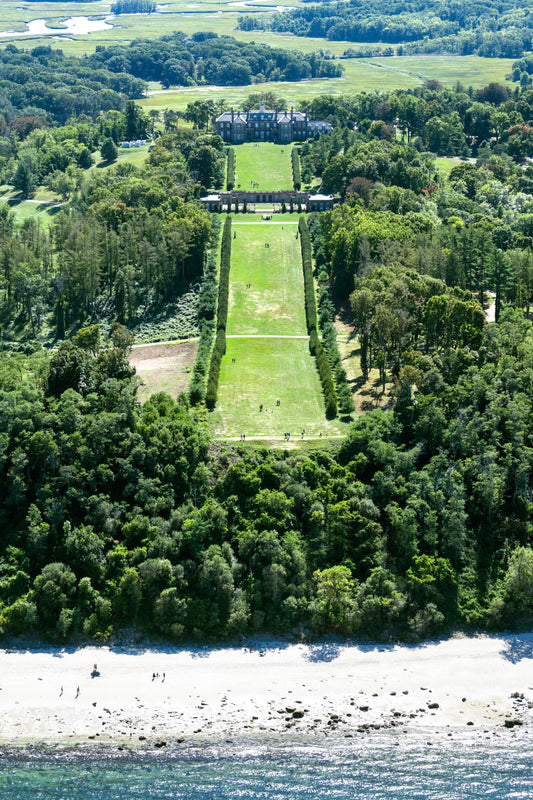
(272, 691)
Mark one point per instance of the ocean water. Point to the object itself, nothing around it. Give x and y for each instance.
(374, 769)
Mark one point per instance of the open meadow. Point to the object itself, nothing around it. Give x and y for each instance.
(269, 170)
(163, 367)
(38, 208)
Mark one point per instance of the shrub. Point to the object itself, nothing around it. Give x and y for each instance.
(230, 173)
(296, 173)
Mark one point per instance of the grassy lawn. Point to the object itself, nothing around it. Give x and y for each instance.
(132, 155)
(445, 164)
(265, 371)
(266, 164)
(273, 305)
(24, 209)
(268, 368)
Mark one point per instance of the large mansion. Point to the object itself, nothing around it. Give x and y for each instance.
(265, 125)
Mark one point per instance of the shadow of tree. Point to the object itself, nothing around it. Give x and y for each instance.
(518, 647)
(326, 651)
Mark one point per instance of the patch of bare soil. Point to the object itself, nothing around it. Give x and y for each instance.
(163, 368)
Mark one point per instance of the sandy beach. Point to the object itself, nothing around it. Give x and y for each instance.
(476, 685)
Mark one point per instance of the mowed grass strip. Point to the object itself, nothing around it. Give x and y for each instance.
(264, 165)
(274, 302)
(265, 371)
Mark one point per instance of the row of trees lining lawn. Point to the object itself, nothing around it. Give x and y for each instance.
(230, 173)
(295, 165)
(219, 348)
(315, 345)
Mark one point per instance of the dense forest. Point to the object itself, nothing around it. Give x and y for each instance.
(208, 58)
(118, 514)
(129, 245)
(484, 28)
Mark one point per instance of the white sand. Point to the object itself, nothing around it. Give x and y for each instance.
(217, 694)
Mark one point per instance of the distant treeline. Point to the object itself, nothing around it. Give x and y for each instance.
(133, 7)
(485, 28)
(207, 58)
(46, 83)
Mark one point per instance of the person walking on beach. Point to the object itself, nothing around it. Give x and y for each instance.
(78, 692)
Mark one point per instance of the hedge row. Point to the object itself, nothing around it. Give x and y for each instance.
(222, 317)
(326, 319)
(309, 286)
(324, 372)
(296, 173)
(315, 345)
(207, 303)
(230, 173)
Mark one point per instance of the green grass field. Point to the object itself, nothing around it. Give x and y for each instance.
(265, 371)
(445, 164)
(267, 165)
(273, 305)
(267, 338)
(132, 155)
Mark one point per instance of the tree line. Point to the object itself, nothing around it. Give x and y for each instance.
(483, 28)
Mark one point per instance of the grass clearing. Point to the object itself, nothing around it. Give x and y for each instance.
(131, 155)
(445, 164)
(267, 165)
(24, 209)
(273, 305)
(366, 394)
